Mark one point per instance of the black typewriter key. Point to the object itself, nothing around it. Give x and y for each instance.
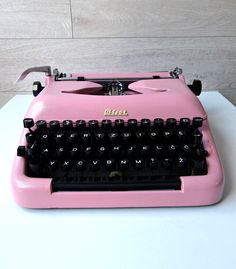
(66, 165)
(154, 135)
(52, 165)
(73, 138)
(197, 122)
(144, 150)
(33, 150)
(60, 152)
(106, 124)
(138, 163)
(145, 123)
(123, 164)
(81, 165)
(41, 125)
(45, 139)
(119, 123)
(115, 150)
(67, 124)
(54, 125)
(167, 135)
(153, 163)
(140, 135)
(88, 151)
(95, 164)
(201, 153)
(21, 151)
(74, 152)
(184, 122)
(93, 124)
(131, 149)
(172, 149)
(45, 153)
(186, 150)
(110, 164)
(171, 123)
(181, 135)
(159, 149)
(197, 138)
(182, 163)
(85, 137)
(30, 138)
(167, 163)
(126, 136)
(100, 136)
(28, 123)
(102, 151)
(132, 123)
(158, 123)
(113, 136)
(80, 124)
(59, 137)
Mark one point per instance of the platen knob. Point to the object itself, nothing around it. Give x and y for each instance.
(37, 88)
(196, 87)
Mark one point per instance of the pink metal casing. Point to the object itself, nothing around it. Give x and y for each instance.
(160, 98)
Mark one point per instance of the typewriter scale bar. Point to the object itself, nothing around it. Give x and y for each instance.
(100, 80)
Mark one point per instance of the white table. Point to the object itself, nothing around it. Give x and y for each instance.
(173, 238)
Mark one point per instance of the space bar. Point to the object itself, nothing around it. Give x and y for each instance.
(74, 184)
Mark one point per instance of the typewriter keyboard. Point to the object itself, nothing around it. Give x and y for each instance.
(114, 155)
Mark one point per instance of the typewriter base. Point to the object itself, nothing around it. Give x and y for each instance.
(195, 191)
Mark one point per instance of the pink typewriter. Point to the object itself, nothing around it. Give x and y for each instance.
(116, 140)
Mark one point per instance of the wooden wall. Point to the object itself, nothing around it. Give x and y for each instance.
(119, 35)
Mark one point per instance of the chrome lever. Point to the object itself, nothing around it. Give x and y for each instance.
(43, 69)
(176, 72)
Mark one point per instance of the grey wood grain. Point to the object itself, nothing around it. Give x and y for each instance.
(211, 60)
(35, 19)
(153, 18)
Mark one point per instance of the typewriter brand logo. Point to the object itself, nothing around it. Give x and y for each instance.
(114, 112)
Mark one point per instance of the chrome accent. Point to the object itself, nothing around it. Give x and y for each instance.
(55, 72)
(176, 72)
(44, 69)
(115, 88)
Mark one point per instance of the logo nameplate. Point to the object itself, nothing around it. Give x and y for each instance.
(114, 112)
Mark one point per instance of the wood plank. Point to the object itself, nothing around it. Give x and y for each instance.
(153, 18)
(35, 19)
(212, 60)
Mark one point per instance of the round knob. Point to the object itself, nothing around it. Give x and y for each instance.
(196, 87)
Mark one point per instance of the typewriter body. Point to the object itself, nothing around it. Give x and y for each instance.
(116, 140)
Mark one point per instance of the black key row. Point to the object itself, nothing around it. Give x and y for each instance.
(170, 123)
(164, 166)
(118, 150)
(75, 138)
